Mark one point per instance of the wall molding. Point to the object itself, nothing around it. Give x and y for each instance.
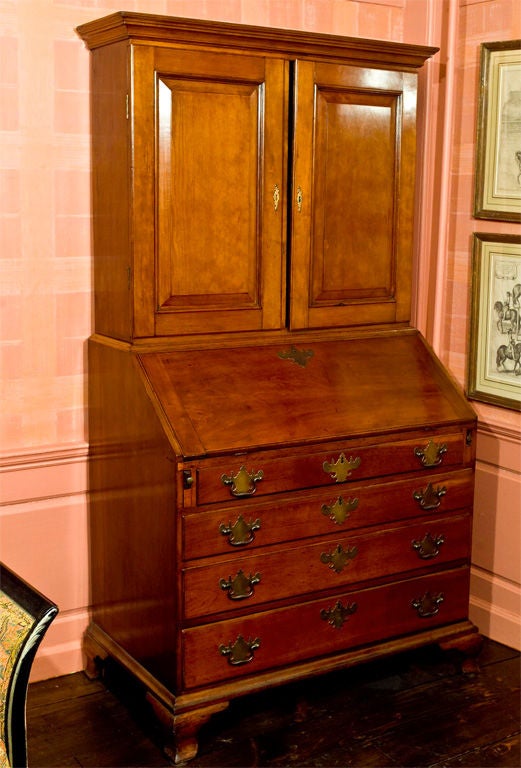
(395, 3)
(499, 448)
(44, 474)
(54, 455)
(500, 431)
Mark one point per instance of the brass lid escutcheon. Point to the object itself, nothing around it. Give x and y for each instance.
(298, 356)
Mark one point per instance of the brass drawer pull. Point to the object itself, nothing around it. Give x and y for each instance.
(432, 454)
(240, 532)
(428, 605)
(240, 586)
(428, 547)
(340, 510)
(339, 614)
(430, 498)
(342, 467)
(339, 558)
(241, 651)
(243, 483)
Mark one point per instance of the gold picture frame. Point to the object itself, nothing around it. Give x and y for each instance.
(494, 374)
(498, 160)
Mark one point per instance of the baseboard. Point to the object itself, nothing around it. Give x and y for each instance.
(61, 650)
(495, 607)
(43, 527)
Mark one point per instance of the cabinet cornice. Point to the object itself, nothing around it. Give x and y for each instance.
(151, 28)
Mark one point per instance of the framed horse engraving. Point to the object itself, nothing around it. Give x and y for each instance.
(498, 160)
(494, 372)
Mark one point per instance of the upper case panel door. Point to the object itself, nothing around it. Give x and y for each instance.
(219, 171)
(352, 207)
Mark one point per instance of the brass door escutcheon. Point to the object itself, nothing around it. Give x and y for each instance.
(240, 532)
(339, 614)
(300, 199)
(299, 356)
(340, 510)
(339, 558)
(429, 546)
(342, 467)
(276, 197)
(241, 651)
(432, 454)
(430, 498)
(428, 605)
(243, 483)
(240, 586)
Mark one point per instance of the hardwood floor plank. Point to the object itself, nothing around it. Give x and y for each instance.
(414, 709)
(502, 754)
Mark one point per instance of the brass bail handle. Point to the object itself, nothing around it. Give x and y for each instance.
(244, 482)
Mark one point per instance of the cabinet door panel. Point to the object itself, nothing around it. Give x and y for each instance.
(351, 248)
(219, 144)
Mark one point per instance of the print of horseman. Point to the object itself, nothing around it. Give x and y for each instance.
(512, 351)
(508, 317)
(509, 321)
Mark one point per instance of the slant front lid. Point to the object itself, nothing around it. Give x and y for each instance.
(221, 400)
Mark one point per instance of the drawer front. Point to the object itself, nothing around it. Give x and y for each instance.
(241, 477)
(238, 584)
(244, 646)
(235, 528)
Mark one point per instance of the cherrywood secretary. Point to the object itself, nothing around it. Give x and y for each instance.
(281, 470)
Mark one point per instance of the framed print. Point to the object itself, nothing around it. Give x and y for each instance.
(495, 330)
(498, 161)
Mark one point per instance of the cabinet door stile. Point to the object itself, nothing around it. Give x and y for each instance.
(405, 179)
(302, 190)
(141, 116)
(274, 200)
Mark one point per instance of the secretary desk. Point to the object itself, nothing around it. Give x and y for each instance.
(281, 470)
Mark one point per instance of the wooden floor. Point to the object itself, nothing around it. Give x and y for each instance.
(416, 709)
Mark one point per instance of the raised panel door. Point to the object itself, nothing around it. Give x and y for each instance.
(352, 202)
(219, 158)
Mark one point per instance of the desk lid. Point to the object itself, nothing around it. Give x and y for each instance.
(224, 400)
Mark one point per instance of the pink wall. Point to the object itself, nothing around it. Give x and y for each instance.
(496, 578)
(45, 258)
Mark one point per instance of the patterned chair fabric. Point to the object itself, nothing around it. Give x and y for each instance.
(25, 615)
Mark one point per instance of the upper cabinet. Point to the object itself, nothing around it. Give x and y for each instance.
(248, 179)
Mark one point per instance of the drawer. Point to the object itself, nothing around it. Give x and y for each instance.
(290, 518)
(220, 585)
(260, 474)
(271, 639)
